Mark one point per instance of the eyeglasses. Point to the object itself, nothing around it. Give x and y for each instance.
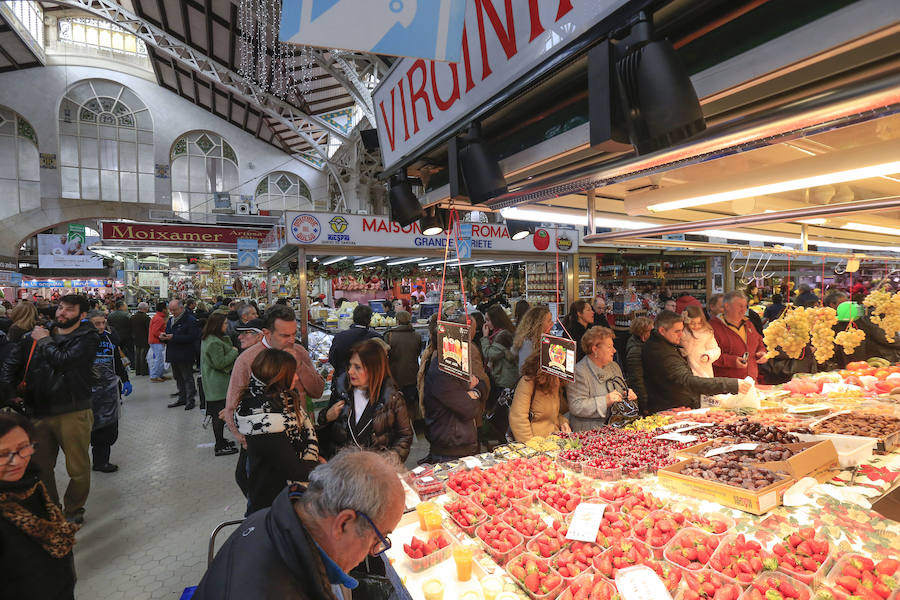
(23, 452)
(383, 544)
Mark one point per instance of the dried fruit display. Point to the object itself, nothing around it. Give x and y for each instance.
(732, 472)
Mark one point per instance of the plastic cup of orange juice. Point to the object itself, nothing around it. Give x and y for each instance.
(422, 509)
(432, 519)
(462, 556)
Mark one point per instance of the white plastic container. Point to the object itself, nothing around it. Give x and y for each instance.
(852, 450)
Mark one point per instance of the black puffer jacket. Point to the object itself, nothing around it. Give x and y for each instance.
(384, 426)
(669, 380)
(450, 413)
(634, 370)
(270, 555)
(60, 375)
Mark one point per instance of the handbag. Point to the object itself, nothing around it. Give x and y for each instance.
(497, 416)
(509, 434)
(21, 387)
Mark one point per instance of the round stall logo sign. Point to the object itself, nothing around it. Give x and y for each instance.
(541, 239)
(306, 229)
(563, 243)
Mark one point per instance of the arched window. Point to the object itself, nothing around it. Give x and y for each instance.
(203, 163)
(20, 180)
(280, 190)
(105, 144)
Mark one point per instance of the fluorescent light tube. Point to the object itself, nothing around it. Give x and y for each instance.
(403, 261)
(874, 160)
(370, 260)
(568, 217)
(871, 228)
(331, 261)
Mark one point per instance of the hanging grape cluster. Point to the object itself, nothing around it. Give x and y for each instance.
(823, 320)
(790, 333)
(850, 339)
(886, 312)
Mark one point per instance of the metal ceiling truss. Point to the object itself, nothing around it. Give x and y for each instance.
(341, 66)
(201, 64)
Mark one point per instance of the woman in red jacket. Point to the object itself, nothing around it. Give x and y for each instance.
(156, 358)
(741, 344)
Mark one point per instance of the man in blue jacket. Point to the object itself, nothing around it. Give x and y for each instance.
(181, 338)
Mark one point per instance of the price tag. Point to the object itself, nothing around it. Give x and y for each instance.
(731, 448)
(697, 411)
(418, 471)
(427, 480)
(586, 522)
(471, 462)
(641, 583)
(691, 425)
(677, 437)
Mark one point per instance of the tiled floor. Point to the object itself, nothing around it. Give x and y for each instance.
(147, 526)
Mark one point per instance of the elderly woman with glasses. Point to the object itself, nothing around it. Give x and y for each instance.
(35, 538)
(598, 381)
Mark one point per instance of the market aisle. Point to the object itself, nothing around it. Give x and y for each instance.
(147, 526)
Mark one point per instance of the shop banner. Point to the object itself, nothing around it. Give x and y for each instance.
(60, 251)
(65, 283)
(558, 357)
(155, 281)
(179, 235)
(247, 254)
(453, 349)
(501, 43)
(328, 229)
(426, 28)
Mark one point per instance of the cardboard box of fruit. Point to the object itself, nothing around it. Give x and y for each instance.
(809, 459)
(757, 501)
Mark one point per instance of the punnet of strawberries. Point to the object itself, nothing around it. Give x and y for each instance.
(417, 548)
(559, 498)
(691, 548)
(717, 524)
(575, 559)
(526, 522)
(801, 552)
(709, 585)
(499, 537)
(622, 554)
(534, 574)
(861, 578)
(590, 587)
(549, 541)
(742, 559)
(670, 574)
(775, 586)
(465, 513)
(658, 527)
(613, 526)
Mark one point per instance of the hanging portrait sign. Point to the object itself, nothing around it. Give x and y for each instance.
(558, 357)
(453, 349)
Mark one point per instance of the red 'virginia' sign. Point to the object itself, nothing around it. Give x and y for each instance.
(179, 234)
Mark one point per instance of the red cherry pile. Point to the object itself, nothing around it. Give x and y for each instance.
(611, 448)
(534, 574)
(416, 548)
(742, 559)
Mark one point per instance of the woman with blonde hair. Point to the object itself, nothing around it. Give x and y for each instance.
(698, 343)
(535, 323)
(24, 317)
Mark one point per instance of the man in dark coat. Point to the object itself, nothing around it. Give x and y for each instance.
(140, 333)
(667, 375)
(57, 395)
(339, 355)
(119, 321)
(406, 346)
(305, 545)
(181, 338)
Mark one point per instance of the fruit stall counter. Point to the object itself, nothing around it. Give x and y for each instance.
(512, 509)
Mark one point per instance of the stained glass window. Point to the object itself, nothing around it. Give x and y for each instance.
(19, 169)
(281, 190)
(203, 163)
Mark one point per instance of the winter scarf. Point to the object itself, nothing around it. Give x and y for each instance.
(56, 535)
(260, 412)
